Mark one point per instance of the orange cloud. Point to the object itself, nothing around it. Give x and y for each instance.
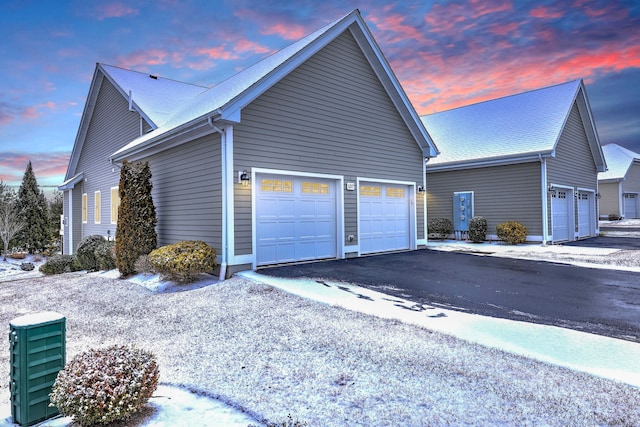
(141, 59)
(46, 166)
(503, 30)
(114, 10)
(245, 45)
(545, 13)
(395, 24)
(218, 52)
(286, 31)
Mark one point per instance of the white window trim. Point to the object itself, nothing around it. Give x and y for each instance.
(97, 207)
(85, 208)
(111, 205)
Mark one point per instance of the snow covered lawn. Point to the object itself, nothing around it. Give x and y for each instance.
(270, 353)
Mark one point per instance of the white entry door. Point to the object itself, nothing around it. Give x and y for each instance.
(384, 217)
(630, 205)
(296, 219)
(586, 214)
(560, 211)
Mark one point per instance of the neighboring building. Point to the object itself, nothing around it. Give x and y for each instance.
(531, 158)
(315, 152)
(620, 185)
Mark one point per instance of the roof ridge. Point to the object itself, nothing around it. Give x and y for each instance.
(504, 97)
(153, 75)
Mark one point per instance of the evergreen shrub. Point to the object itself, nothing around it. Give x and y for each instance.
(59, 264)
(86, 252)
(136, 233)
(105, 255)
(105, 385)
(478, 229)
(440, 227)
(511, 232)
(184, 261)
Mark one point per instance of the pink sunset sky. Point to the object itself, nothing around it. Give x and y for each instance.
(446, 54)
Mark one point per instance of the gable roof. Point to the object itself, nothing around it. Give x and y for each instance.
(516, 128)
(619, 160)
(224, 102)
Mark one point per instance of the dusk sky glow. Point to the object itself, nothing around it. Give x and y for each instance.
(446, 54)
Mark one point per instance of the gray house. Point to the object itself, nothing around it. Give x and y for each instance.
(313, 153)
(620, 185)
(532, 158)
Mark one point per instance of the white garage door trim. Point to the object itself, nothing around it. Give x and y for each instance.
(631, 205)
(393, 239)
(257, 174)
(586, 212)
(562, 216)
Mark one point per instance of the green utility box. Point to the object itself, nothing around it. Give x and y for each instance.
(38, 353)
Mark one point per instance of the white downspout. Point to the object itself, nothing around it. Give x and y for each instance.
(424, 200)
(545, 201)
(223, 154)
(70, 225)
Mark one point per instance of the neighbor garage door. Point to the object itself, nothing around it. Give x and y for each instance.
(295, 219)
(384, 217)
(630, 205)
(560, 211)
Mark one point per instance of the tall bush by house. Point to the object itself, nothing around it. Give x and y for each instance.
(478, 229)
(32, 210)
(136, 230)
(86, 252)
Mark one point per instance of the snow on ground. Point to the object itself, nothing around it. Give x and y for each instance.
(610, 358)
(602, 356)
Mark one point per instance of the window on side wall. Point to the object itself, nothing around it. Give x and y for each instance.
(115, 204)
(96, 212)
(84, 208)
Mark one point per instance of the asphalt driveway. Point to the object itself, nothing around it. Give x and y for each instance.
(630, 243)
(605, 302)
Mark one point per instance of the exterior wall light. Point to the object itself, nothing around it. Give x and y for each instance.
(244, 178)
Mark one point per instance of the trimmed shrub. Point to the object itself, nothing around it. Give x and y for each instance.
(478, 229)
(136, 232)
(59, 264)
(183, 262)
(511, 232)
(107, 385)
(440, 227)
(86, 252)
(105, 254)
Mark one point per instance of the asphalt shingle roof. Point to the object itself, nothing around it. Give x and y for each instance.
(529, 123)
(619, 160)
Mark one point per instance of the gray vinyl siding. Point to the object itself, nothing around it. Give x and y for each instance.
(187, 192)
(609, 203)
(573, 164)
(501, 193)
(330, 116)
(632, 182)
(112, 126)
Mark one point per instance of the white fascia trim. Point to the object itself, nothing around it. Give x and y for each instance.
(163, 142)
(586, 190)
(340, 249)
(71, 183)
(413, 226)
(486, 163)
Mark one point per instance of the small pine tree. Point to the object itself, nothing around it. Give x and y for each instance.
(31, 205)
(136, 230)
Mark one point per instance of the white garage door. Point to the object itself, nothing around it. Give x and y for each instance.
(384, 217)
(560, 200)
(630, 205)
(586, 214)
(295, 219)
